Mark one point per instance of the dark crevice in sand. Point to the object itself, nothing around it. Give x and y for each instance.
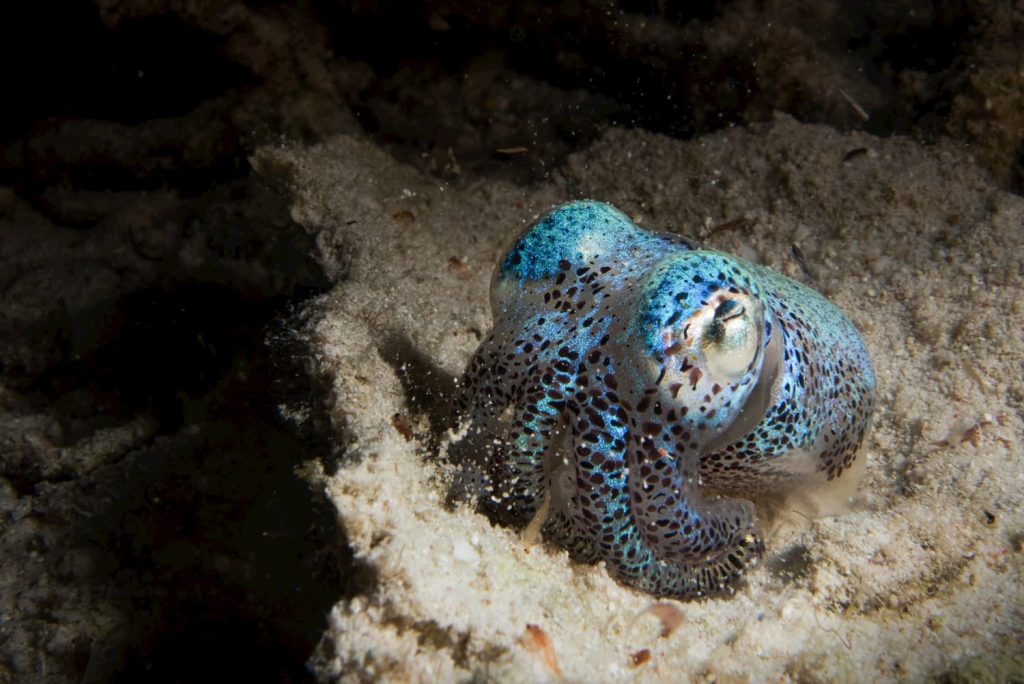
(428, 388)
(205, 542)
(792, 564)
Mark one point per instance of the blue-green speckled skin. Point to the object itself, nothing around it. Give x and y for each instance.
(591, 389)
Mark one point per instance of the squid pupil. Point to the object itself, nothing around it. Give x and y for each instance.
(728, 310)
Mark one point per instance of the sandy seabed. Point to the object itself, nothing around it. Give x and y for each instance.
(917, 574)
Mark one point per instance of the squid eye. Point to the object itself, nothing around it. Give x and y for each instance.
(731, 339)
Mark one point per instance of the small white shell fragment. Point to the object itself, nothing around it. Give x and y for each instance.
(464, 552)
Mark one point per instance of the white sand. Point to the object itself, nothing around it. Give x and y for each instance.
(919, 573)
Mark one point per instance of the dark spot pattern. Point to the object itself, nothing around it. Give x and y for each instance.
(595, 387)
